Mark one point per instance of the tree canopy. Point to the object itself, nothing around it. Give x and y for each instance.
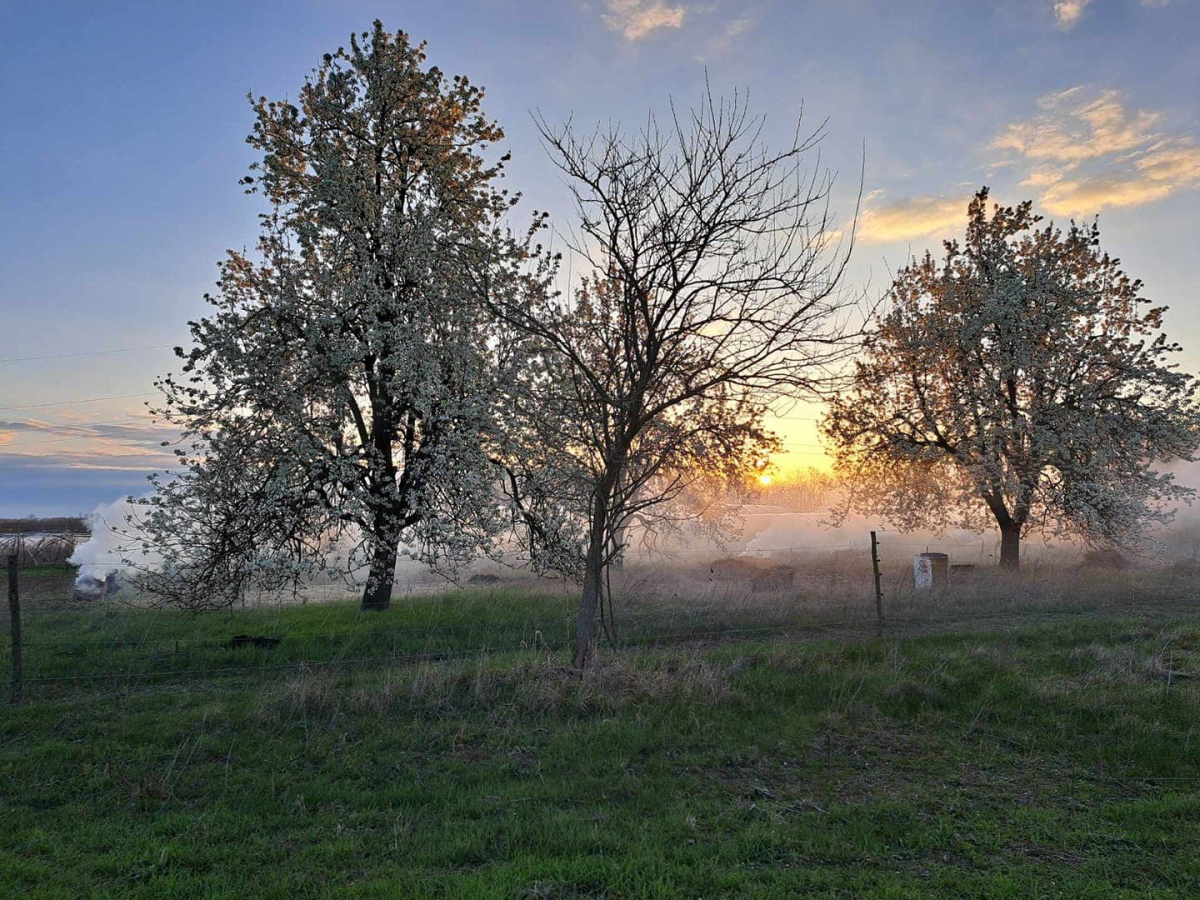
(340, 394)
(1022, 378)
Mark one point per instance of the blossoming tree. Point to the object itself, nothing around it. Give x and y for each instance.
(1022, 378)
(340, 392)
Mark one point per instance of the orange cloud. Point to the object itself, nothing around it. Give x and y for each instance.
(1089, 195)
(914, 217)
(1073, 128)
(1091, 153)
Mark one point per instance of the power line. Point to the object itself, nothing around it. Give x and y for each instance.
(76, 437)
(73, 402)
(12, 359)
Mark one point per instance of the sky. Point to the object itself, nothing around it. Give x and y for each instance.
(125, 123)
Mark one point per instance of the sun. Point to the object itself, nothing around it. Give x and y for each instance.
(764, 480)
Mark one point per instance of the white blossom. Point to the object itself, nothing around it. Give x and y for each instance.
(1022, 379)
(342, 388)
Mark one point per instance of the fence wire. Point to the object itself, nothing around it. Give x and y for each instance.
(149, 657)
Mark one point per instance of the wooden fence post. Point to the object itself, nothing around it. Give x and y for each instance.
(878, 583)
(14, 619)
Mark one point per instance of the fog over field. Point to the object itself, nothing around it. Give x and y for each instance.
(760, 531)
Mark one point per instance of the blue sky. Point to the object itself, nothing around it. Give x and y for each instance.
(125, 125)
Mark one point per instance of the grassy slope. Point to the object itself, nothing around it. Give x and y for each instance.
(1051, 760)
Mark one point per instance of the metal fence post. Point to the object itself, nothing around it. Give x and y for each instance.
(878, 583)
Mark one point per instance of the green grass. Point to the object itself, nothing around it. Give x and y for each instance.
(1048, 760)
(123, 643)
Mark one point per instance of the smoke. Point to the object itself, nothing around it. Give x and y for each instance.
(1180, 538)
(773, 529)
(117, 547)
(347, 560)
(102, 558)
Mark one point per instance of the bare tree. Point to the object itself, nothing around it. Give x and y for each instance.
(1022, 379)
(712, 292)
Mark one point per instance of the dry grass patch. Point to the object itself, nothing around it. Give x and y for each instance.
(531, 686)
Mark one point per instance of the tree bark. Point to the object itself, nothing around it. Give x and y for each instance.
(618, 562)
(1010, 546)
(377, 595)
(593, 584)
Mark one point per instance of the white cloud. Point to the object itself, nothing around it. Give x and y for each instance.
(731, 31)
(1067, 13)
(1087, 152)
(635, 19)
(739, 26)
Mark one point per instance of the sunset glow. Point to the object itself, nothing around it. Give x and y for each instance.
(99, 247)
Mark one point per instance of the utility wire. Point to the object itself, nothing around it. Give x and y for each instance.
(13, 359)
(74, 402)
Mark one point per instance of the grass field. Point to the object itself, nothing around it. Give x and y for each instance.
(445, 749)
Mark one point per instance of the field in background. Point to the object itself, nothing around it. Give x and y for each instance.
(1018, 736)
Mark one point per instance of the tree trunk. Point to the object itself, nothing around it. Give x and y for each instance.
(618, 562)
(593, 581)
(378, 593)
(1010, 546)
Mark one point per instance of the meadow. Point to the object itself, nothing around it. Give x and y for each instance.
(1025, 736)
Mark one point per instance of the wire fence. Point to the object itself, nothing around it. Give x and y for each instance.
(858, 627)
(114, 641)
(130, 657)
(41, 549)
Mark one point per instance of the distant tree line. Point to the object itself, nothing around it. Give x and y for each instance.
(796, 490)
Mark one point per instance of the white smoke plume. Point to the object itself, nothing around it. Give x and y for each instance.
(102, 559)
(117, 549)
